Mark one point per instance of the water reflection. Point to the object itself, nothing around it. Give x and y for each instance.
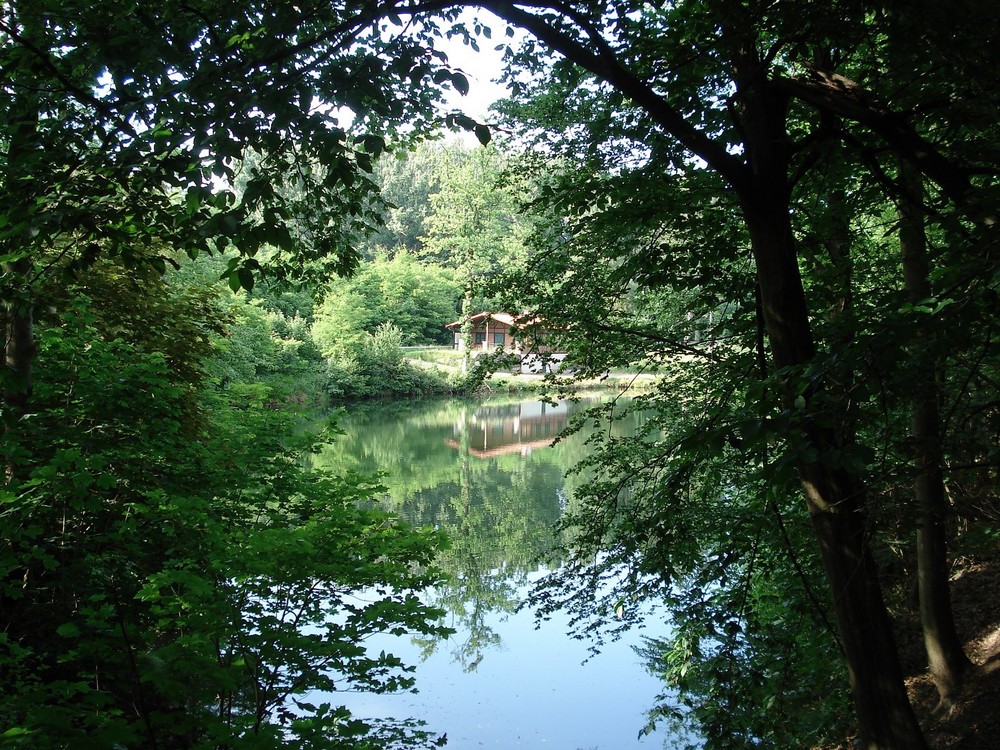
(495, 430)
(490, 476)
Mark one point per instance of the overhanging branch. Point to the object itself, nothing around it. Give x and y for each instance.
(841, 96)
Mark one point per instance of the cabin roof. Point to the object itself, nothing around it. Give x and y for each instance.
(499, 317)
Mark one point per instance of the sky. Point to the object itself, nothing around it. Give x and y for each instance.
(482, 68)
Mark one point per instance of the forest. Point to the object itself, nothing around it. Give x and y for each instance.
(221, 218)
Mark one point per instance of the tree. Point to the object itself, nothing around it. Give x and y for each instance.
(473, 227)
(125, 125)
(698, 509)
(754, 93)
(945, 655)
(170, 575)
(406, 183)
(417, 298)
(947, 661)
(127, 618)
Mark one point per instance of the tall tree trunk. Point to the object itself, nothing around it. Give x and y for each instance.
(17, 326)
(19, 186)
(465, 332)
(835, 498)
(838, 240)
(19, 337)
(836, 503)
(945, 656)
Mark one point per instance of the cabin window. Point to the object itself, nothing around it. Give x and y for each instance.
(498, 339)
(480, 337)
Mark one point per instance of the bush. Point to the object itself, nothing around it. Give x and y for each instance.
(265, 347)
(172, 577)
(378, 369)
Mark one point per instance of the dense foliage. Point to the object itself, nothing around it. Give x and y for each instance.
(770, 206)
(171, 574)
(418, 299)
(788, 210)
(376, 369)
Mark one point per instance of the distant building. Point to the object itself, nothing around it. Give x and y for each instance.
(495, 330)
(490, 331)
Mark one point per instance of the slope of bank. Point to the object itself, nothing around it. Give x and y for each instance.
(974, 722)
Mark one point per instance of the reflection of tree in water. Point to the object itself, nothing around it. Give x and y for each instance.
(499, 526)
(486, 475)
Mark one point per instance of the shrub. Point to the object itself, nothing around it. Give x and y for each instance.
(173, 577)
(378, 369)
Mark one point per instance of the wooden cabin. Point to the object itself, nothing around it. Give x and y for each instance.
(495, 330)
(490, 331)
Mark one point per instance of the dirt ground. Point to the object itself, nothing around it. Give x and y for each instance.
(974, 722)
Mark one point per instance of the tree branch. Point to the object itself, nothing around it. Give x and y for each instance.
(606, 65)
(841, 96)
(81, 95)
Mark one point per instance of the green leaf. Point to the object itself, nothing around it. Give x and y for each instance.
(461, 83)
(68, 630)
(374, 145)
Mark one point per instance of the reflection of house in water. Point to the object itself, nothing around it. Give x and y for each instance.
(514, 428)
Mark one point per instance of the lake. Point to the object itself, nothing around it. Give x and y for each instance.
(488, 474)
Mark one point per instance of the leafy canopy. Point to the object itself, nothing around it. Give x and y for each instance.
(126, 123)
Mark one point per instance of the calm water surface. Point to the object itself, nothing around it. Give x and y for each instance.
(489, 475)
